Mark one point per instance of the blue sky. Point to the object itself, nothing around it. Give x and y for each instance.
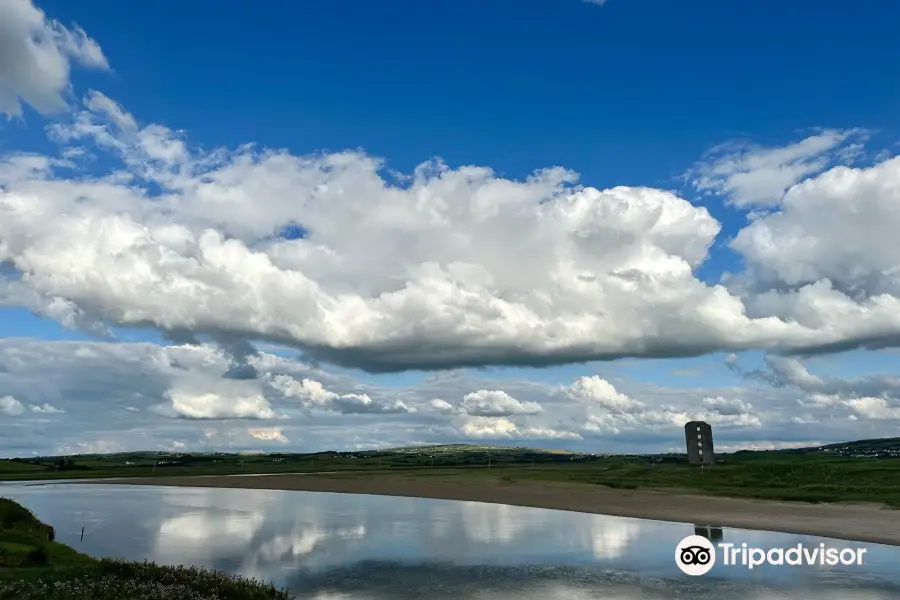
(630, 93)
(723, 106)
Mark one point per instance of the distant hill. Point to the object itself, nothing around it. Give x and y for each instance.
(874, 447)
(441, 449)
(882, 443)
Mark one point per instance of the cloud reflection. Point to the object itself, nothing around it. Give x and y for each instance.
(359, 547)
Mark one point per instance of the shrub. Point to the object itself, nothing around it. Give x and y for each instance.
(116, 580)
(15, 517)
(39, 557)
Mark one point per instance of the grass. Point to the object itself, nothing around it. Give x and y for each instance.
(804, 476)
(777, 477)
(34, 567)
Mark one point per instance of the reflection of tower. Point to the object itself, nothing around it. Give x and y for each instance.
(698, 435)
(713, 534)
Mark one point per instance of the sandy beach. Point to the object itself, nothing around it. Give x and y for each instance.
(855, 522)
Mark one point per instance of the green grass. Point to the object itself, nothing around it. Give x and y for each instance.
(6, 546)
(8, 466)
(809, 476)
(780, 477)
(34, 567)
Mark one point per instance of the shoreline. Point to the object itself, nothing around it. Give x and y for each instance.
(850, 522)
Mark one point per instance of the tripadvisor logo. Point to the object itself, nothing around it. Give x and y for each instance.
(696, 555)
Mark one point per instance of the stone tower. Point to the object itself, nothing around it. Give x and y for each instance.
(698, 435)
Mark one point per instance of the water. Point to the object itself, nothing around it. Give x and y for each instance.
(356, 547)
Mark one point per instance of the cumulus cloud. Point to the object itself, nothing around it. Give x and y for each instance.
(485, 403)
(792, 372)
(666, 418)
(501, 428)
(441, 406)
(597, 391)
(46, 409)
(796, 246)
(873, 397)
(114, 393)
(36, 55)
(387, 277)
(875, 408)
(727, 406)
(610, 412)
(496, 403)
(425, 274)
(313, 395)
(11, 406)
(490, 428)
(199, 405)
(751, 176)
(268, 434)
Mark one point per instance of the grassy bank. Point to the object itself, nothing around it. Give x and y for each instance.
(33, 566)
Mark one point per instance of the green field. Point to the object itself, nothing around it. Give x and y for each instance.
(149, 464)
(865, 471)
(34, 567)
(790, 478)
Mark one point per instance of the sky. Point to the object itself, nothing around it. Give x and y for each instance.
(353, 225)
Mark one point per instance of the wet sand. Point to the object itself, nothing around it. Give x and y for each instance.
(855, 522)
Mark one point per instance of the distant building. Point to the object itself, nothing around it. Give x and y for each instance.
(698, 435)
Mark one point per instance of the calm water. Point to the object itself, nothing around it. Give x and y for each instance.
(354, 547)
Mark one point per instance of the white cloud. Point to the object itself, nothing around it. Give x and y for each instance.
(46, 409)
(875, 408)
(36, 56)
(749, 175)
(425, 275)
(840, 228)
(547, 433)
(496, 403)
(313, 395)
(114, 393)
(823, 391)
(868, 398)
(596, 390)
(490, 428)
(11, 406)
(742, 419)
(728, 407)
(616, 415)
(441, 406)
(612, 412)
(268, 434)
(198, 405)
(501, 428)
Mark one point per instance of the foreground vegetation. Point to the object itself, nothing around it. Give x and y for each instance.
(34, 567)
(865, 471)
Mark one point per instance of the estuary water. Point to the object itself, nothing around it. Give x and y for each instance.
(356, 547)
